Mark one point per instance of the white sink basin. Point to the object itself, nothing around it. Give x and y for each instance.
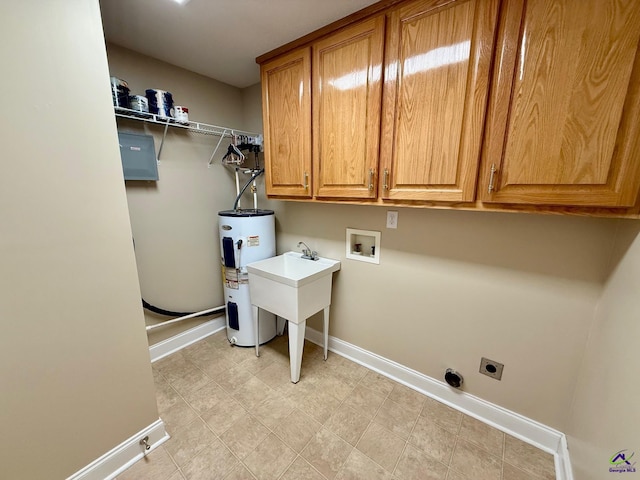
(293, 288)
(293, 270)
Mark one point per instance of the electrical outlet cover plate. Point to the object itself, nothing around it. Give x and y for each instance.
(392, 219)
(491, 368)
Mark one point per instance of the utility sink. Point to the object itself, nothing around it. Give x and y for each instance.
(293, 270)
(293, 288)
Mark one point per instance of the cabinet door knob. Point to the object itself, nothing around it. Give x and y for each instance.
(492, 178)
(306, 181)
(385, 184)
(371, 173)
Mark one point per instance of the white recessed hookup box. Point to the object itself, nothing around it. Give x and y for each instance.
(363, 245)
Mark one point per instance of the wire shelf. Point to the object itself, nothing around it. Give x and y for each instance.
(196, 127)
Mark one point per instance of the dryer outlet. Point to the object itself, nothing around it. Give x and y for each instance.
(491, 368)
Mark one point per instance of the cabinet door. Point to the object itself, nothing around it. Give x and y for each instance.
(438, 60)
(347, 92)
(286, 111)
(563, 119)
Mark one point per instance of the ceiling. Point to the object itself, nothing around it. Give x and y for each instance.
(217, 38)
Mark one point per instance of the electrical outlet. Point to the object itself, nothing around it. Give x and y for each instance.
(490, 368)
(392, 219)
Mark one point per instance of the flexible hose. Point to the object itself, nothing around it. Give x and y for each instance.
(169, 313)
(246, 185)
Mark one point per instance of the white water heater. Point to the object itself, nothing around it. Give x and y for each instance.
(245, 236)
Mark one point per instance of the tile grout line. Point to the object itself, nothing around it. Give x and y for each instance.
(455, 444)
(395, 467)
(298, 454)
(199, 416)
(504, 447)
(453, 452)
(188, 404)
(372, 421)
(406, 443)
(323, 425)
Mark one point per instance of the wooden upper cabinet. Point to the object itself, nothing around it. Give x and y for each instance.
(347, 95)
(286, 111)
(563, 117)
(438, 60)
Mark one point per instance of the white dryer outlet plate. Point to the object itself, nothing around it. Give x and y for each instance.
(491, 368)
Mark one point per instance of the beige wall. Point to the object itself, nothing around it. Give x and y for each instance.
(252, 107)
(174, 220)
(74, 365)
(454, 286)
(605, 415)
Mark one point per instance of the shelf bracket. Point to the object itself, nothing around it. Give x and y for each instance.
(164, 135)
(217, 146)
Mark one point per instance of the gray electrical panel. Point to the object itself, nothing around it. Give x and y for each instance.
(138, 154)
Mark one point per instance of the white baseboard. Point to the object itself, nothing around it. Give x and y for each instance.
(527, 430)
(186, 338)
(114, 462)
(563, 461)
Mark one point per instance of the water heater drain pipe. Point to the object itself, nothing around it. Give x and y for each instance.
(187, 317)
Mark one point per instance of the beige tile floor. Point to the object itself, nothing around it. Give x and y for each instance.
(234, 416)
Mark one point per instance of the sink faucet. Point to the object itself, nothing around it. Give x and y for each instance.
(307, 252)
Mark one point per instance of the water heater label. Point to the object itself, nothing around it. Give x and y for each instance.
(232, 285)
(231, 278)
(253, 241)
